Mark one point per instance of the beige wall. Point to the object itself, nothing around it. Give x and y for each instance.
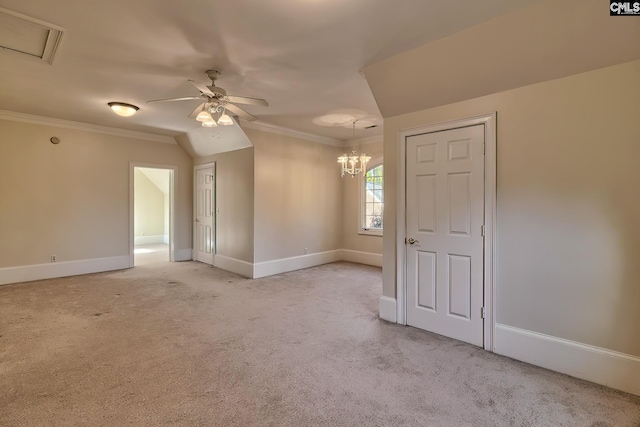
(352, 240)
(294, 201)
(298, 196)
(72, 199)
(149, 212)
(234, 200)
(568, 235)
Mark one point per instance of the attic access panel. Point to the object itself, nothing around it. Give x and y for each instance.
(28, 37)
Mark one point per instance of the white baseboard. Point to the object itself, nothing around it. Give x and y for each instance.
(182, 255)
(233, 265)
(28, 273)
(269, 268)
(599, 365)
(165, 239)
(150, 240)
(283, 265)
(359, 257)
(387, 307)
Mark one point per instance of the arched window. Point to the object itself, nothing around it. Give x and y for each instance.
(372, 200)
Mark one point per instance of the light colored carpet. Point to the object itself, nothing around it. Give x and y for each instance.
(150, 254)
(188, 344)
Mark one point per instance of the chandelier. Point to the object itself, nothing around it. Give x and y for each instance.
(206, 116)
(353, 163)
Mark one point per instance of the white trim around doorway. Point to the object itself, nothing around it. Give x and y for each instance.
(489, 122)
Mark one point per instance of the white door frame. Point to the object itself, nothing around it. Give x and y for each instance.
(489, 122)
(172, 187)
(212, 166)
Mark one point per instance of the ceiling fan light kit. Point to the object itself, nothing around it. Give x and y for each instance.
(206, 116)
(123, 109)
(216, 101)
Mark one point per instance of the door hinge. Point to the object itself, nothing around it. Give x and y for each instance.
(482, 230)
(483, 312)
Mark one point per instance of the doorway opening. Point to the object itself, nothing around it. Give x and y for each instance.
(151, 214)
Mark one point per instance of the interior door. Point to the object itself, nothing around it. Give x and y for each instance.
(445, 218)
(204, 220)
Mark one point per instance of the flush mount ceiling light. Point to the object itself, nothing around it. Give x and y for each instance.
(123, 109)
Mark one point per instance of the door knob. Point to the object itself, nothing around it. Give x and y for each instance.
(411, 241)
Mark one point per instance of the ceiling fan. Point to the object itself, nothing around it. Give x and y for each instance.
(216, 102)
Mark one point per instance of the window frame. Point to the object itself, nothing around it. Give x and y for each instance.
(362, 199)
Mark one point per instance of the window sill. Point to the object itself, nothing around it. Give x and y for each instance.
(370, 233)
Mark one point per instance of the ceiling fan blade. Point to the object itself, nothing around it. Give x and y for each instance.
(197, 110)
(202, 88)
(186, 98)
(247, 100)
(239, 112)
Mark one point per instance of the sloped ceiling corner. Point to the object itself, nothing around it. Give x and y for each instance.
(203, 142)
(548, 40)
(159, 178)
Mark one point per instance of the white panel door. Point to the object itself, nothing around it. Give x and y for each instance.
(445, 215)
(204, 215)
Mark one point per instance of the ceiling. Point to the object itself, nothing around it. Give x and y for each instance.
(161, 178)
(304, 56)
(548, 40)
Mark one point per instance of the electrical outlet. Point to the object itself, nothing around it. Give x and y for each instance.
(306, 250)
(53, 258)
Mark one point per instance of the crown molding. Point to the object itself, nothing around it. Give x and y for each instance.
(268, 127)
(67, 124)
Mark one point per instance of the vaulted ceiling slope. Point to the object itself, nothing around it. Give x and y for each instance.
(304, 56)
(548, 40)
